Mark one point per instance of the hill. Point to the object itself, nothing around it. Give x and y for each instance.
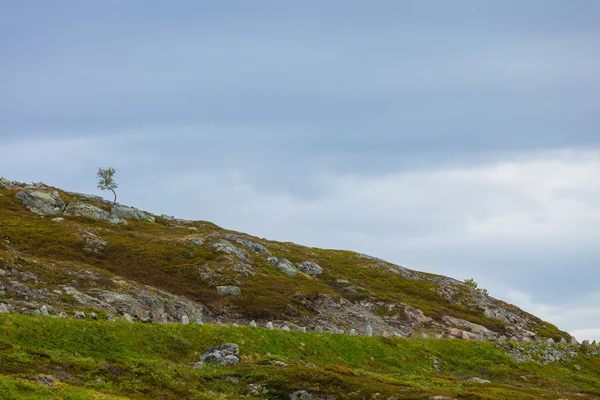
(190, 284)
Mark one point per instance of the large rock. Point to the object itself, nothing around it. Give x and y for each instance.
(229, 290)
(310, 268)
(131, 213)
(87, 210)
(226, 247)
(41, 201)
(225, 354)
(4, 309)
(283, 265)
(258, 248)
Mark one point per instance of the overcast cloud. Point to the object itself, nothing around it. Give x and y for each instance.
(462, 140)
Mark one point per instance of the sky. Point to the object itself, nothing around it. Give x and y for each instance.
(460, 138)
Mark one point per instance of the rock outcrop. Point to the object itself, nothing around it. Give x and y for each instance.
(41, 201)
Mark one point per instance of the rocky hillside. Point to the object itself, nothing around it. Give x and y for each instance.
(107, 301)
(73, 254)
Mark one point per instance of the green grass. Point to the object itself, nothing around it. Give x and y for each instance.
(121, 360)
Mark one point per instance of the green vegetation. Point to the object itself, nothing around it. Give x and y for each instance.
(99, 359)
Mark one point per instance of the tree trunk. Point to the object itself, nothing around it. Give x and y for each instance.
(114, 202)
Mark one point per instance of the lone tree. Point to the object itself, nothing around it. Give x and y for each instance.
(106, 180)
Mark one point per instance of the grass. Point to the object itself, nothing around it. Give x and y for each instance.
(99, 359)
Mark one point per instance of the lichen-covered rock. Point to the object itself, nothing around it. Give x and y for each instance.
(4, 309)
(131, 213)
(41, 201)
(58, 219)
(283, 265)
(225, 354)
(86, 210)
(185, 320)
(126, 318)
(229, 290)
(477, 380)
(226, 247)
(310, 268)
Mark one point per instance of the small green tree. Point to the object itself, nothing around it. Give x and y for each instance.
(471, 282)
(106, 180)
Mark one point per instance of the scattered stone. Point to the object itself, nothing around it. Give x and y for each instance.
(563, 341)
(131, 213)
(225, 354)
(352, 332)
(93, 316)
(58, 219)
(478, 380)
(126, 318)
(439, 336)
(117, 221)
(285, 328)
(199, 322)
(195, 242)
(79, 315)
(465, 335)
(185, 320)
(44, 311)
(424, 336)
(278, 363)
(269, 325)
(513, 339)
(41, 201)
(229, 290)
(4, 309)
(167, 217)
(310, 268)
(502, 338)
(480, 337)
(46, 380)
(368, 331)
(226, 247)
(235, 325)
(301, 395)
(525, 339)
(193, 229)
(436, 364)
(62, 314)
(550, 341)
(283, 265)
(252, 324)
(110, 317)
(319, 329)
(524, 378)
(573, 340)
(585, 343)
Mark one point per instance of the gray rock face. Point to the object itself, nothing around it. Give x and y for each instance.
(131, 213)
(478, 380)
(41, 201)
(225, 354)
(229, 290)
(310, 268)
(5, 183)
(283, 265)
(226, 247)
(86, 210)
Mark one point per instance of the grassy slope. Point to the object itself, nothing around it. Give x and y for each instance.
(120, 360)
(157, 254)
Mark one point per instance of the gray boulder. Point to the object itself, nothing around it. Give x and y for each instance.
(252, 324)
(110, 318)
(4, 309)
(283, 265)
(86, 210)
(226, 247)
(5, 183)
(44, 311)
(41, 201)
(478, 380)
(225, 354)
(131, 213)
(550, 341)
(58, 219)
(269, 325)
(310, 268)
(62, 314)
(126, 318)
(229, 290)
(79, 315)
(352, 332)
(368, 331)
(185, 320)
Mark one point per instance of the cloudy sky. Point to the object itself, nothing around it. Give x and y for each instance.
(459, 138)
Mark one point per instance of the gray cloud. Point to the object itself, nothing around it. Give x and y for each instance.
(461, 140)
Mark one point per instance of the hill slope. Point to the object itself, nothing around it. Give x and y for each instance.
(71, 255)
